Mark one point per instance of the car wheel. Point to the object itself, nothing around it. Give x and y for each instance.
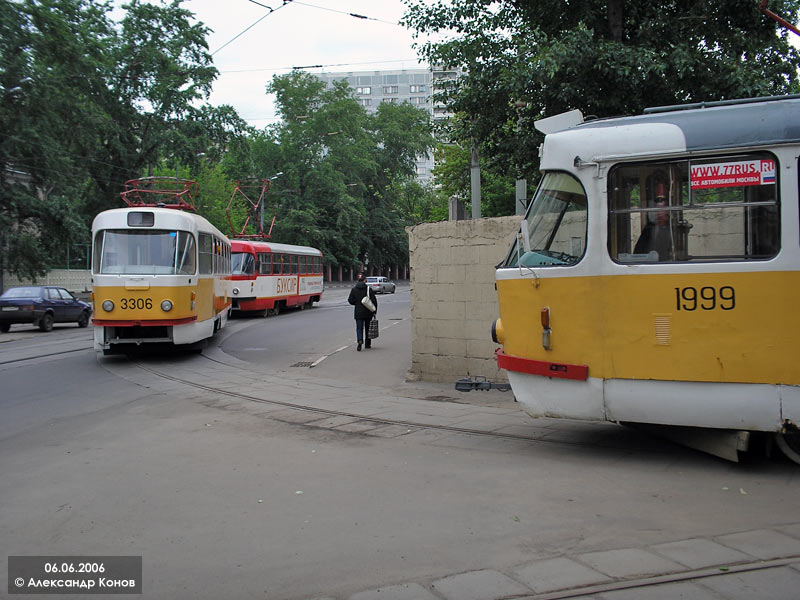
(46, 322)
(83, 320)
(4, 327)
(393, 289)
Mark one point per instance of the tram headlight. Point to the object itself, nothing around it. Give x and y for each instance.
(108, 305)
(235, 291)
(498, 335)
(166, 305)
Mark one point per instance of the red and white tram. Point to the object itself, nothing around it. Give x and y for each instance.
(268, 277)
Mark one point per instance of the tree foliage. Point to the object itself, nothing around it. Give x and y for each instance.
(345, 174)
(87, 103)
(526, 59)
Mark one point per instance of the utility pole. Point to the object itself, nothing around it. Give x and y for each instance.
(475, 182)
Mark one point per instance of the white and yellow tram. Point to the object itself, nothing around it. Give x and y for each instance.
(158, 275)
(655, 277)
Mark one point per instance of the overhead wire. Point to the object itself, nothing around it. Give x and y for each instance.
(241, 33)
(342, 12)
(285, 2)
(273, 69)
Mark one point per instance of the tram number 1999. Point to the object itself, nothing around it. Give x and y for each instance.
(706, 298)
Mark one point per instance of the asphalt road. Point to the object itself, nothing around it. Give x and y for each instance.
(225, 497)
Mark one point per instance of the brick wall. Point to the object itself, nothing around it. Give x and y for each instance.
(453, 300)
(75, 280)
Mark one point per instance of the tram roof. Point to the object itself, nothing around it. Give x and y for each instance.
(273, 247)
(692, 128)
(116, 218)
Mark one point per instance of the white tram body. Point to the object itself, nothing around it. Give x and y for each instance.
(267, 277)
(655, 276)
(158, 275)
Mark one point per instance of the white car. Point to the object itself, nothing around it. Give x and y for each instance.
(381, 285)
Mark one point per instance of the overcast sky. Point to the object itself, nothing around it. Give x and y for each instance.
(299, 33)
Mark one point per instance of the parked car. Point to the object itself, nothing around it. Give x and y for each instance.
(41, 305)
(381, 285)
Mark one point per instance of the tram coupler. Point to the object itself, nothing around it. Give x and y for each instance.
(480, 383)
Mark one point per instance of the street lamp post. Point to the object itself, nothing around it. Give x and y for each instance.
(263, 200)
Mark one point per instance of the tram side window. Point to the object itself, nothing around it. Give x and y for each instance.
(293, 260)
(711, 209)
(206, 252)
(264, 263)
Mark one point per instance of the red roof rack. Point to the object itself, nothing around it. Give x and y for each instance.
(246, 189)
(166, 192)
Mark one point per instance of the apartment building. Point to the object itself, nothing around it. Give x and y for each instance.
(415, 86)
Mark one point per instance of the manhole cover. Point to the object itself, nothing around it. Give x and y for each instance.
(302, 364)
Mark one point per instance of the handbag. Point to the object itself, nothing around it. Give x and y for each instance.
(368, 303)
(373, 332)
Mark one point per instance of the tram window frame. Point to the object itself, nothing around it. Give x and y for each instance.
(545, 219)
(205, 253)
(293, 264)
(654, 206)
(264, 263)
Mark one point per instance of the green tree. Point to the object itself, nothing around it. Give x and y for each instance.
(344, 172)
(452, 176)
(85, 104)
(526, 59)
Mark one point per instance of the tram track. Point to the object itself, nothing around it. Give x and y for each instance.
(648, 582)
(383, 421)
(47, 355)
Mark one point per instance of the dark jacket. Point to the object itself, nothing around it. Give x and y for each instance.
(360, 290)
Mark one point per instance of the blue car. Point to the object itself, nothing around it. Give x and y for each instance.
(42, 306)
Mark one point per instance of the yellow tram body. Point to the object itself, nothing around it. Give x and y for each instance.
(627, 327)
(656, 274)
(159, 275)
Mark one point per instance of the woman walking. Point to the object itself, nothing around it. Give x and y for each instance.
(362, 314)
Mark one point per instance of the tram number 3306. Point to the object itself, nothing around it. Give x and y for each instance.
(706, 298)
(136, 303)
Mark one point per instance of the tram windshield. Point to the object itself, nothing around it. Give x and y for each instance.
(151, 252)
(557, 221)
(243, 263)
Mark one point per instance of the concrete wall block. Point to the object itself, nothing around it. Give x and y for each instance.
(480, 311)
(451, 311)
(478, 329)
(444, 328)
(452, 348)
(422, 292)
(482, 349)
(491, 255)
(424, 345)
(453, 300)
(444, 292)
(482, 275)
(451, 273)
(425, 310)
(465, 255)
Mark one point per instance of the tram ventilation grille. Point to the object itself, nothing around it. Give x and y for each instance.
(663, 325)
(302, 364)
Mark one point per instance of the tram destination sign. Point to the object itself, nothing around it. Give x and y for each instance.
(732, 174)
